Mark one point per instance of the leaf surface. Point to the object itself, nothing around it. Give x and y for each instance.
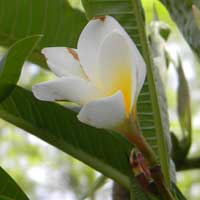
(12, 62)
(53, 19)
(59, 126)
(9, 190)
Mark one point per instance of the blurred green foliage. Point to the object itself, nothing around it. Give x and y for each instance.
(36, 165)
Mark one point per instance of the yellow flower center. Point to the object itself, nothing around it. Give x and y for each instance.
(122, 80)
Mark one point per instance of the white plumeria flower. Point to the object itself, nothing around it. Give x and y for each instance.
(104, 75)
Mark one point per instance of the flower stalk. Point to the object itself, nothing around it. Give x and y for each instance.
(139, 141)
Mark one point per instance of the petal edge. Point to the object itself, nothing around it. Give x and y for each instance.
(108, 112)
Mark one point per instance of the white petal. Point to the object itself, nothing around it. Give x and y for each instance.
(63, 61)
(90, 39)
(138, 64)
(69, 88)
(116, 68)
(108, 113)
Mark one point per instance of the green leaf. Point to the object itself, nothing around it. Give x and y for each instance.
(9, 190)
(196, 13)
(151, 106)
(100, 182)
(184, 110)
(12, 63)
(59, 126)
(182, 14)
(53, 19)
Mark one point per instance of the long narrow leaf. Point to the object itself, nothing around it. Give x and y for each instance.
(11, 64)
(184, 110)
(9, 190)
(60, 127)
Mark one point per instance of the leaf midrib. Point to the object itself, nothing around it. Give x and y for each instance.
(107, 170)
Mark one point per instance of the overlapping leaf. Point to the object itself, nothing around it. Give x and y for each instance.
(11, 64)
(184, 111)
